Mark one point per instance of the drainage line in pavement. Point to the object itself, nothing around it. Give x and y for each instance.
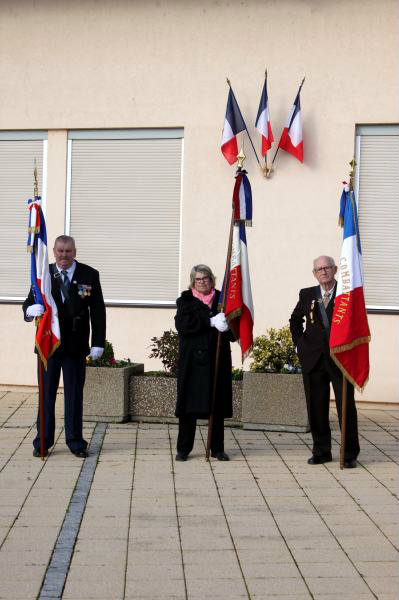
(57, 570)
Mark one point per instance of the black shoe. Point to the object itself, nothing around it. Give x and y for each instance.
(181, 456)
(350, 463)
(37, 454)
(220, 455)
(81, 453)
(319, 460)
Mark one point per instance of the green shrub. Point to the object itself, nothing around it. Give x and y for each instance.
(236, 374)
(108, 359)
(274, 352)
(166, 348)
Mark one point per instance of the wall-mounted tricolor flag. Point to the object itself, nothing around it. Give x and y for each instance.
(48, 336)
(239, 308)
(262, 122)
(350, 334)
(233, 125)
(242, 199)
(291, 139)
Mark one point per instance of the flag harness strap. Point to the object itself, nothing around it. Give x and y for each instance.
(323, 311)
(68, 303)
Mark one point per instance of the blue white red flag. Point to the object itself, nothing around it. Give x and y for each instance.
(242, 199)
(239, 308)
(291, 139)
(262, 122)
(233, 125)
(350, 334)
(48, 336)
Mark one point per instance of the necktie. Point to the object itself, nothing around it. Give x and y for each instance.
(65, 279)
(326, 298)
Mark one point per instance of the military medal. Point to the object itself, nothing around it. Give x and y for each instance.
(84, 290)
(311, 312)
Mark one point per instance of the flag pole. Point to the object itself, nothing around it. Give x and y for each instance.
(39, 360)
(343, 422)
(241, 157)
(218, 344)
(266, 171)
(246, 128)
(278, 147)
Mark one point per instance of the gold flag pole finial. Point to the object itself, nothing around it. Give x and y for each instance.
(352, 173)
(240, 158)
(35, 181)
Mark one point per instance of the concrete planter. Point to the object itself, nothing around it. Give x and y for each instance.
(274, 402)
(154, 399)
(106, 393)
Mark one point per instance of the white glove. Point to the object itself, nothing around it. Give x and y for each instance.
(96, 352)
(219, 321)
(35, 310)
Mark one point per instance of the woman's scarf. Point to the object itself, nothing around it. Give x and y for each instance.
(205, 298)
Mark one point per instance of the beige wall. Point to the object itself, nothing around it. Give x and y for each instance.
(103, 64)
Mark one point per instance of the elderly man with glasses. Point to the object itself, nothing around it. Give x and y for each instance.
(316, 306)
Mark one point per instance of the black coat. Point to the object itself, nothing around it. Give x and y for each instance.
(313, 341)
(196, 365)
(76, 316)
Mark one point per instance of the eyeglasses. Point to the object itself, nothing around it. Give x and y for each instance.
(321, 269)
(201, 279)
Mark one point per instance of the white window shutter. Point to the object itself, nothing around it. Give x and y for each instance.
(17, 158)
(378, 199)
(125, 197)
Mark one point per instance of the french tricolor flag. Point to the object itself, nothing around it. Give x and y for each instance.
(239, 308)
(291, 139)
(350, 334)
(262, 123)
(48, 336)
(233, 125)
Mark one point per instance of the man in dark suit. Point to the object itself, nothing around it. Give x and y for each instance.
(77, 293)
(316, 304)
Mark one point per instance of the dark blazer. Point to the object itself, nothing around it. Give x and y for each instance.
(81, 312)
(312, 341)
(196, 364)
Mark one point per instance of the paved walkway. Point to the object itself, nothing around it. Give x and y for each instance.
(129, 522)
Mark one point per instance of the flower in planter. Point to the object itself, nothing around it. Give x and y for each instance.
(275, 353)
(108, 359)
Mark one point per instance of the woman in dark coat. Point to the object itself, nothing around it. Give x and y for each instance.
(198, 323)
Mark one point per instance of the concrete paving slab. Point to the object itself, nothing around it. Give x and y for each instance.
(265, 525)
